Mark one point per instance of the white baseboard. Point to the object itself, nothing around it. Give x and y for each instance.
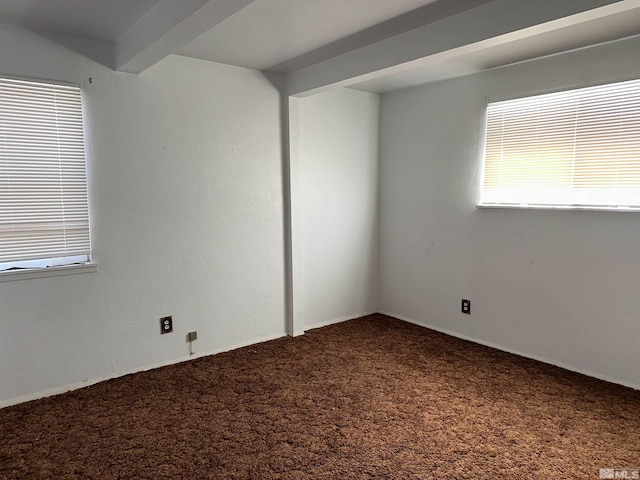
(75, 386)
(86, 383)
(326, 323)
(549, 361)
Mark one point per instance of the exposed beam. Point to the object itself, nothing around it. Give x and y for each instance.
(429, 13)
(485, 22)
(167, 26)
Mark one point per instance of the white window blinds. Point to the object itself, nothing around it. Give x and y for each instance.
(576, 148)
(43, 192)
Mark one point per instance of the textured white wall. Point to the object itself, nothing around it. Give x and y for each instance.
(558, 285)
(187, 220)
(338, 184)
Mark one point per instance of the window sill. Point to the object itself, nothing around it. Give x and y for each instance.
(556, 207)
(28, 274)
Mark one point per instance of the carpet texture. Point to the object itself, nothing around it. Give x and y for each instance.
(370, 398)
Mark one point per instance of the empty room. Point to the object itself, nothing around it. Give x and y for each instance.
(319, 239)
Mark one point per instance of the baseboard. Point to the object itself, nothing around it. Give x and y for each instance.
(549, 361)
(326, 323)
(86, 383)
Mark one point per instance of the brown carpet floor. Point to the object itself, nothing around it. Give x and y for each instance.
(370, 398)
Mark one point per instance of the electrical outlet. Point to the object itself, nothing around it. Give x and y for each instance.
(191, 336)
(166, 324)
(466, 306)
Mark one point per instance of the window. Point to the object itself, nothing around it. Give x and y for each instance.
(577, 149)
(44, 217)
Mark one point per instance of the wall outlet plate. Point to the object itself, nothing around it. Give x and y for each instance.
(191, 336)
(466, 306)
(166, 324)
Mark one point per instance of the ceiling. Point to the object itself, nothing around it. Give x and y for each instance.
(268, 33)
(285, 36)
(495, 53)
(98, 19)
(278, 36)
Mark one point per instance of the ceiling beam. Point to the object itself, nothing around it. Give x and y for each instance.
(429, 13)
(166, 27)
(482, 23)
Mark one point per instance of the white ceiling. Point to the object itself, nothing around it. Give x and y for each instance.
(98, 19)
(284, 36)
(494, 53)
(268, 33)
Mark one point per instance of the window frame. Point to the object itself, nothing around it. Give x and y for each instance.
(54, 266)
(526, 206)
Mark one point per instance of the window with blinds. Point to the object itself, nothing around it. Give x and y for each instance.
(577, 148)
(44, 218)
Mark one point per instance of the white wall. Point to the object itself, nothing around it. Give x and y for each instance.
(558, 285)
(338, 185)
(187, 220)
